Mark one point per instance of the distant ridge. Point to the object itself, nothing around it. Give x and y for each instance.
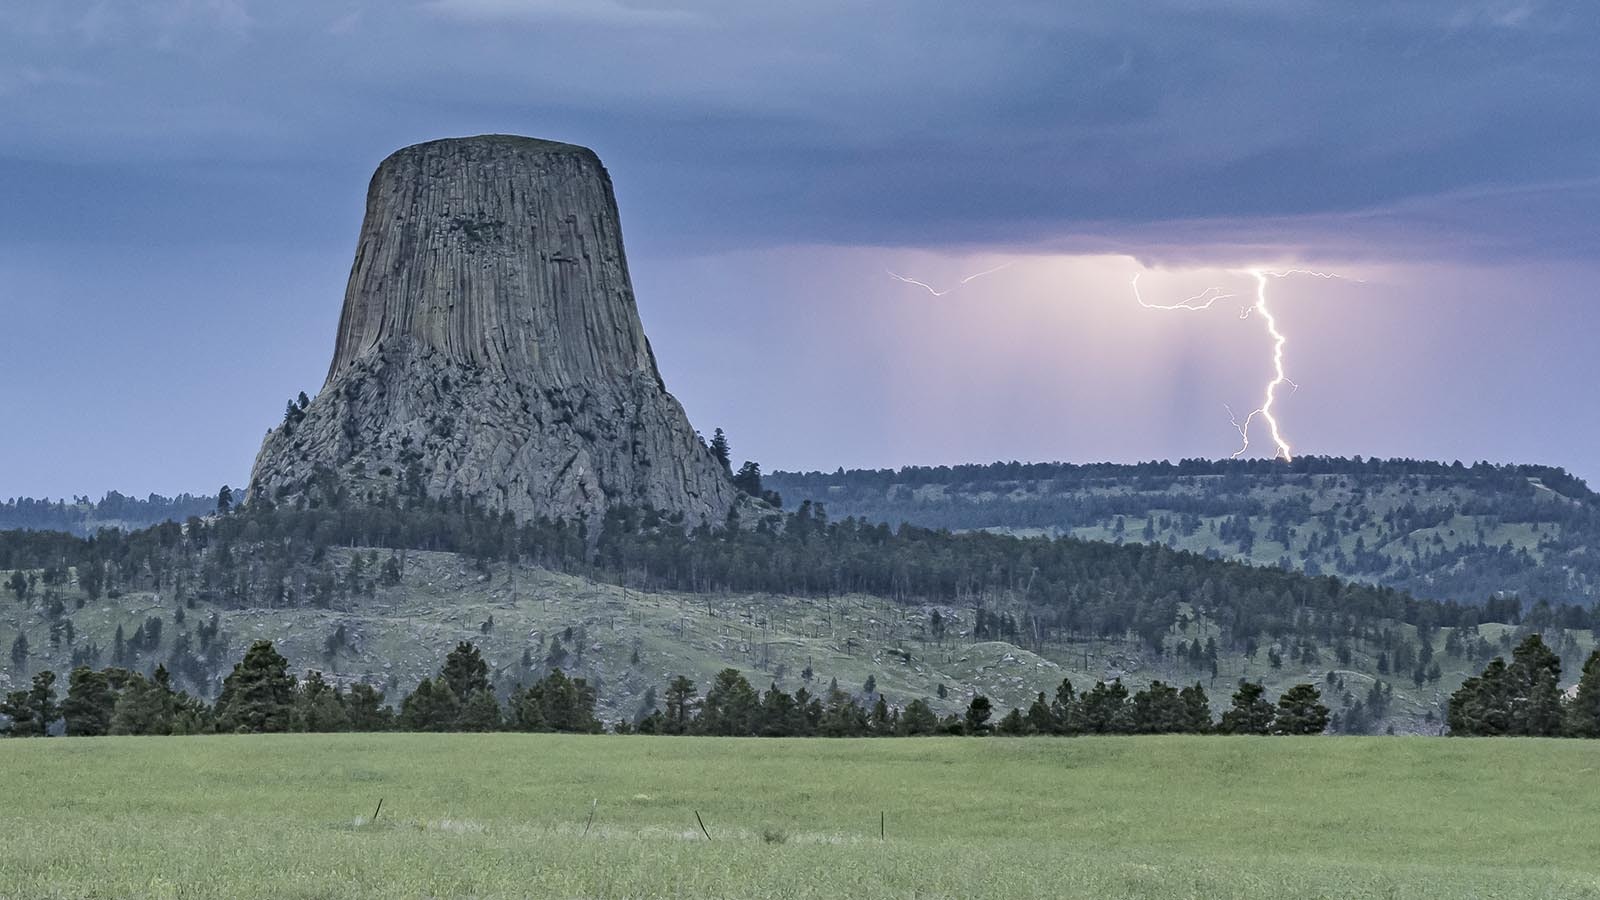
(84, 517)
(1446, 531)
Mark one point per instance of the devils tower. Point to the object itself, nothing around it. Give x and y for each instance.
(490, 346)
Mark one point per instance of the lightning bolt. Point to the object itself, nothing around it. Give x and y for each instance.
(1280, 342)
(1201, 301)
(938, 293)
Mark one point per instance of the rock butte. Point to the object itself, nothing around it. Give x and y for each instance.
(490, 346)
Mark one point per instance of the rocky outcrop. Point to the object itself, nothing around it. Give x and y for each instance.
(490, 345)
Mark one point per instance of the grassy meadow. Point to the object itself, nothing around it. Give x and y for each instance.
(505, 815)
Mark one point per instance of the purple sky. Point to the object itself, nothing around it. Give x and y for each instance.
(183, 180)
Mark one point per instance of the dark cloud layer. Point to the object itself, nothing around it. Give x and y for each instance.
(891, 123)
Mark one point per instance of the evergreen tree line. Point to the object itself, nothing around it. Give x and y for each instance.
(732, 707)
(1523, 697)
(82, 516)
(260, 696)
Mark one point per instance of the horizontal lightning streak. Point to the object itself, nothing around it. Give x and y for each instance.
(938, 293)
(1201, 301)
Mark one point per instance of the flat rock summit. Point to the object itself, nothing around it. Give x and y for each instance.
(490, 346)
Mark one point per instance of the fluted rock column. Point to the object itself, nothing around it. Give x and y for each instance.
(490, 345)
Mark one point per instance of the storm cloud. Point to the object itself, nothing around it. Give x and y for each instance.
(183, 181)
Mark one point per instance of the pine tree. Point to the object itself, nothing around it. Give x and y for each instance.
(1251, 713)
(748, 478)
(465, 672)
(1535, 674)
(1583, 713)
(779, 717)
(722, 451)
(1013, 724)
(918, 719)
(480, 712)
(20, 653)
(883, 719)
(810, 712)
(365, 710)
(431, 707)
(681, 702)
(1196, 709)
(14, 706)
(1158, 709)
(1040, 720)
(258, 696)
(525, 712)
(976, 720)
(842, 716)
(90, 703)
(1300, 711)
(33, 711)
(557, 657)
(1103, 709)
(319, 706)
(1064, 709)
(1482, 705)
(145, 707)
(729, 707)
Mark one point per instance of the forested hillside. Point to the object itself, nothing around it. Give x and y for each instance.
(83, 517)
(1442, 531)
(377, 594)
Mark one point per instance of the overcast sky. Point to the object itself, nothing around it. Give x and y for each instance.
(181, 182)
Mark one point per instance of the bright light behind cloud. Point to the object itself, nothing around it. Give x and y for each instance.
(1052, 357)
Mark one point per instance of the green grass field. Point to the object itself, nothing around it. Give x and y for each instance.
(504, 816)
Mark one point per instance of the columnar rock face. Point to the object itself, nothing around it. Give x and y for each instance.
(490, 345)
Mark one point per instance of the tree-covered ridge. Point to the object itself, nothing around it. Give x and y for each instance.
(916, 596)
(1444, 531)
(83, 517)
(270, 556)
(1556, 478)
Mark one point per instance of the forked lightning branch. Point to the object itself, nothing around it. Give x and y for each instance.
(1266, 411)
